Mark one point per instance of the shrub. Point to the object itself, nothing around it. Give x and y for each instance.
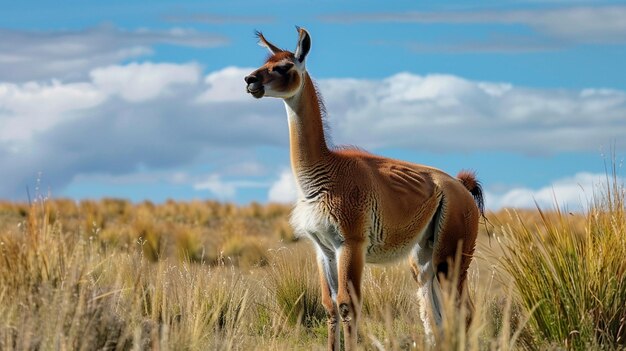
(573, 278)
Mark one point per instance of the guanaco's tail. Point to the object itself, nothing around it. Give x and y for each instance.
(468, 178)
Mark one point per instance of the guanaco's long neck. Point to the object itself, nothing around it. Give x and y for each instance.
(306, 130)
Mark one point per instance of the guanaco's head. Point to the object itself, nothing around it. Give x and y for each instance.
(282, 74)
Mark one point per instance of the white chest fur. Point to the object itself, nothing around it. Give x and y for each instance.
(310, 218)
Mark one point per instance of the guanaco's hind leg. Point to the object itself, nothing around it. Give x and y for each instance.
(428, 292)
(457, 225)
(430, 260)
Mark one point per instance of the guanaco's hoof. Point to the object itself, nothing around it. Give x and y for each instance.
(344, 312)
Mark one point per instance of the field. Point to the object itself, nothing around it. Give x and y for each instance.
(112, 275)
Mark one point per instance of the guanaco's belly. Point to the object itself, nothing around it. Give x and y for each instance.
(311, 219)
(392, 245)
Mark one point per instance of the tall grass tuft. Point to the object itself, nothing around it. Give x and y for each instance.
(293, 281)
(572, 276)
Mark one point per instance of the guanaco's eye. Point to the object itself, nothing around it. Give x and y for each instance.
(282, 69)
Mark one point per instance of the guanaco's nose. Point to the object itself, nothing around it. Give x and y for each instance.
(251, 79)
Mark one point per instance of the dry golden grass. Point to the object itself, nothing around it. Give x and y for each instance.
(111, 275)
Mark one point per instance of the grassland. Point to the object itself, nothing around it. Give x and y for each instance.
(112, 275)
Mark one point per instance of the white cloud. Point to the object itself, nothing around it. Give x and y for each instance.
(71, 54)
(140, 82)
(35, 107)
(444, 113)
(32, 107)
(284, 189)
(214, 184)
(573, 193)
(226, 85)
(225, 190)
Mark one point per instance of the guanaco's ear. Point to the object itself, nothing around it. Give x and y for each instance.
(304, 44)
(263, 42)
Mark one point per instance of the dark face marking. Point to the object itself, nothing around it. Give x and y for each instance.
(287, 82)
(283, 69)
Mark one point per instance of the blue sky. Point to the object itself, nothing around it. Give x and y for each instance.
(145, 100)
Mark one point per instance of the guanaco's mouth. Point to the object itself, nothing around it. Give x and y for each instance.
(257, 92)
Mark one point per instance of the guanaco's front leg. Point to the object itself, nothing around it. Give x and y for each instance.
(351, 258)
(327, 265)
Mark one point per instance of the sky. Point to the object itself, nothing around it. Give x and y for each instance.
(145, 100)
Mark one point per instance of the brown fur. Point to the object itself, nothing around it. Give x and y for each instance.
(279, 57)
(468, 178)
(358, 207)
